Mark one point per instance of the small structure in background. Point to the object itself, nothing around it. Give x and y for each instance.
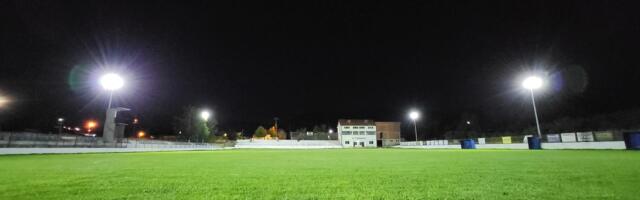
(109, 134)
(388, 133)
(357, 132)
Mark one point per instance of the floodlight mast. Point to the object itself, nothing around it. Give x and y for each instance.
(414, 115)
(535, 112)
(532, 83)
(110, 82)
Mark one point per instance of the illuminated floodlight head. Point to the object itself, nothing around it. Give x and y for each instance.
(205, 115)
(330, 130)
(111, 81)
(532, 82)
(61, 119)
(414, 115)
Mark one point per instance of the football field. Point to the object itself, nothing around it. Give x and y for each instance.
(325, 174)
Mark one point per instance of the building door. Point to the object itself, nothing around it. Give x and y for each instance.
(362, 144)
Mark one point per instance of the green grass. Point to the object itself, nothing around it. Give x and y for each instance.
(325, 174)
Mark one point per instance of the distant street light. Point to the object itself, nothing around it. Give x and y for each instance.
(414, 115)
(329, 135)
(275, 119)
(205, 115)
(60, 125)
(90, 125)
(141, 134)
(111, 82)
(532, 83)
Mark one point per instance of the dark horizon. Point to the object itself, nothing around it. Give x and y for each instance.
(312, 63)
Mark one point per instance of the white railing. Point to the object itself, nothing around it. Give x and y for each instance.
(288, 144)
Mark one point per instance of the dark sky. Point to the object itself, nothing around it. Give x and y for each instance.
(313, 63)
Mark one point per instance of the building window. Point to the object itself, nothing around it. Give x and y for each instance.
(346, 142)
(371, 132)
(370, 142)
(361, 132)
(370, 127)
(362, 127)
(346, 132)
(346, 127)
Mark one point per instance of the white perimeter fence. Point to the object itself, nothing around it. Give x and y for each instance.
(288, 144)
(569, 140)
(35, 143)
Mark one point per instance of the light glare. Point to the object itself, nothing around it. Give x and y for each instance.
(414, 115)
(205, 115)
(3, 101)
(532, 83)
(111, 81)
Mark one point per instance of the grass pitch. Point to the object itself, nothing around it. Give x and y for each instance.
(325, 174)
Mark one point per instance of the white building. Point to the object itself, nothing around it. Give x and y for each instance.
(357, 132)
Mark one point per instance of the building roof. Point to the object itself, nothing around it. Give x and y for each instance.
(388, 123)
(348, 122)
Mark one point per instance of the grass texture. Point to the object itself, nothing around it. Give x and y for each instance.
(325, 174)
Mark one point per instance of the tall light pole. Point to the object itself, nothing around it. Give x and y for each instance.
(60, 123)
(275, 119)
(414, 115)
(532, 83)
(110, 82)
(4, 100)
(205, 114)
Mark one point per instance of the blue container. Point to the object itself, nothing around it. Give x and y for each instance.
(632, 140)
(468, 144)
(534, 142)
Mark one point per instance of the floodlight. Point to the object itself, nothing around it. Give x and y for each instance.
(111, 81)
(532, 82)
(414, 115)
(205, 115)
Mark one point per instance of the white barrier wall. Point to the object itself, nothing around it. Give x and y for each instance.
(568, 137)
(570, 145)
(287, 144)
(585, 136)
(428, 142)
(9, 151)
(585, 145)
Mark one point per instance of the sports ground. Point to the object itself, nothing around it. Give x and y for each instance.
(325, 174)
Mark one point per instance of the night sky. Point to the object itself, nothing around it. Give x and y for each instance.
(314, 63)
